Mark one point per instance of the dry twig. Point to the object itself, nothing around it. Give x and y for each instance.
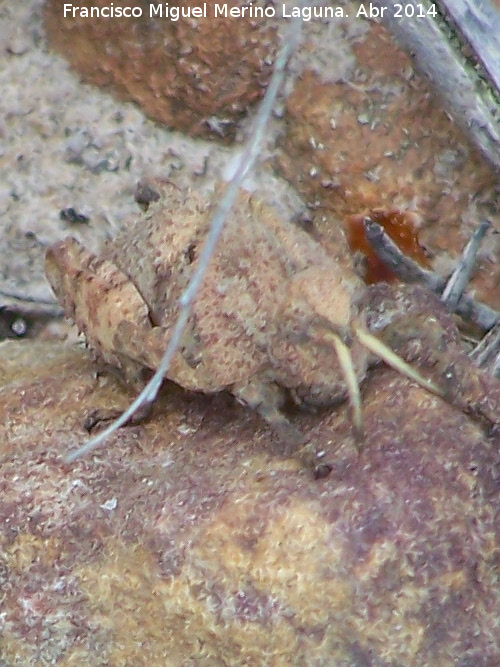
(459, 279)
(411, 272)
(470, 91)
(246, 163)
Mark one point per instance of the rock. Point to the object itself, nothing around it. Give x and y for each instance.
(381, 139)
(197, 75)
(190, 540)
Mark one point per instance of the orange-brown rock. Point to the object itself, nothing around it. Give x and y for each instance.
(189, 541)
(198, 75)
(381, 139)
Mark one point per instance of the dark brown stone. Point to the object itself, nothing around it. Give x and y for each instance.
(198, 75)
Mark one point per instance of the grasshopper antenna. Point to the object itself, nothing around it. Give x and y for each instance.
(352, 384)
(381, 350)
(393, 360)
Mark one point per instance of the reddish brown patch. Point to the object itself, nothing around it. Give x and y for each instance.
(383, 140)
(401, 226)
(189, 538)
(186, 73)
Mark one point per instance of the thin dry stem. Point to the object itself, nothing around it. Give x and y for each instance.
(460, 278)
(246, 163)
(411, 272)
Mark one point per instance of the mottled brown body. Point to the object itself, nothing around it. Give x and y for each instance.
(277, 312)
(261, 322)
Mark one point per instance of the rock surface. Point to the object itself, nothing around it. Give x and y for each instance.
(191, 541)
(381, 138)
(92, 149)
(197, 75)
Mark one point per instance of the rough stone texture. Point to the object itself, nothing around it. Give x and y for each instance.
(67, 145)
(380, 139)
(64, 145)
(197, 75)
(188, 541)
